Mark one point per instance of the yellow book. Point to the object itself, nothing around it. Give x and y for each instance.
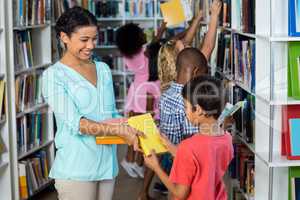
(2, 95)
(146, 124)
(23, 182)
(173, 12)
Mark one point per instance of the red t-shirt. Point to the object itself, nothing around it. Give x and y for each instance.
(201, 162)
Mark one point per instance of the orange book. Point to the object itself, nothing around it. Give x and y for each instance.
(109, 140)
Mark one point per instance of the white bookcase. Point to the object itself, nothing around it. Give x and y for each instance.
(272, 84)
(41, 50)
(5, 161)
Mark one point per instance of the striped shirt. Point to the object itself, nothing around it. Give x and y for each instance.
(173, 121)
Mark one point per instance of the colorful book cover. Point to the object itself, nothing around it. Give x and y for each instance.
(295, 136)
(173, 18)
(294, 172)
(288, 112)
(294, 17)
(229, 110)
(151, 141)
(293, 70)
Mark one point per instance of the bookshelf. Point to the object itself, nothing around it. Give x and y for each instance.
(271, 53)
(30, 123)
(5, 147)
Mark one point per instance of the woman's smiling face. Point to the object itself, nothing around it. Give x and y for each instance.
(81, 42)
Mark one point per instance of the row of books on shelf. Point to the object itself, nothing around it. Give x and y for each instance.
(245, 15)
(243, 10)
(110, 9)
(244, 60)
(31, 131)
(28, 92)
(31, 12)
(245, 123)
(244, 117)
(115, 62)
(225, 15)
(242, 168)
(23, 50)
(107, 36)
(237, 194)
(121, 85)
(33, 174)
(236, 57)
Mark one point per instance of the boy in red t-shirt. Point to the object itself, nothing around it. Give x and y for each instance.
(200, 161)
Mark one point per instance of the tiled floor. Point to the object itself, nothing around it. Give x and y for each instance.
(126, 188)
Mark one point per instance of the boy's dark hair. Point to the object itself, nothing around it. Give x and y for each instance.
(130, 39)
(205, 91)
(73, 19)
(191, 57)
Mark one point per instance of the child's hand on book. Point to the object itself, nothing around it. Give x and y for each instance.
(131, 135)
(151, 161)
(172, 148)
(228, 122)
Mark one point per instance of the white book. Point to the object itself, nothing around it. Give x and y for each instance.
(229, 110)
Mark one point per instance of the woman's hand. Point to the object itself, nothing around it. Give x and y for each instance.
(172, 148)
(151, 161)
(130, 135)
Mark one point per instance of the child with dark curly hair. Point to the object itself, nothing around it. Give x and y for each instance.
(131, 41)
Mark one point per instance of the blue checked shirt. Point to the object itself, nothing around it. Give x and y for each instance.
(173, 121)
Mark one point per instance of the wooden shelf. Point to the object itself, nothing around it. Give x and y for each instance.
(22, 28)
(236, 184)
(3, 165)
(42, 187)
(2, 121)
(121, 73)
(32, 109)
(251, 147)
(120, 100)
(22, 155)
(106, 47)
(32, 69)
(110, 19)
(139, 18)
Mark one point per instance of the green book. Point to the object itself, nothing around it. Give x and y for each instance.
(294, 70)
(293, 172)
